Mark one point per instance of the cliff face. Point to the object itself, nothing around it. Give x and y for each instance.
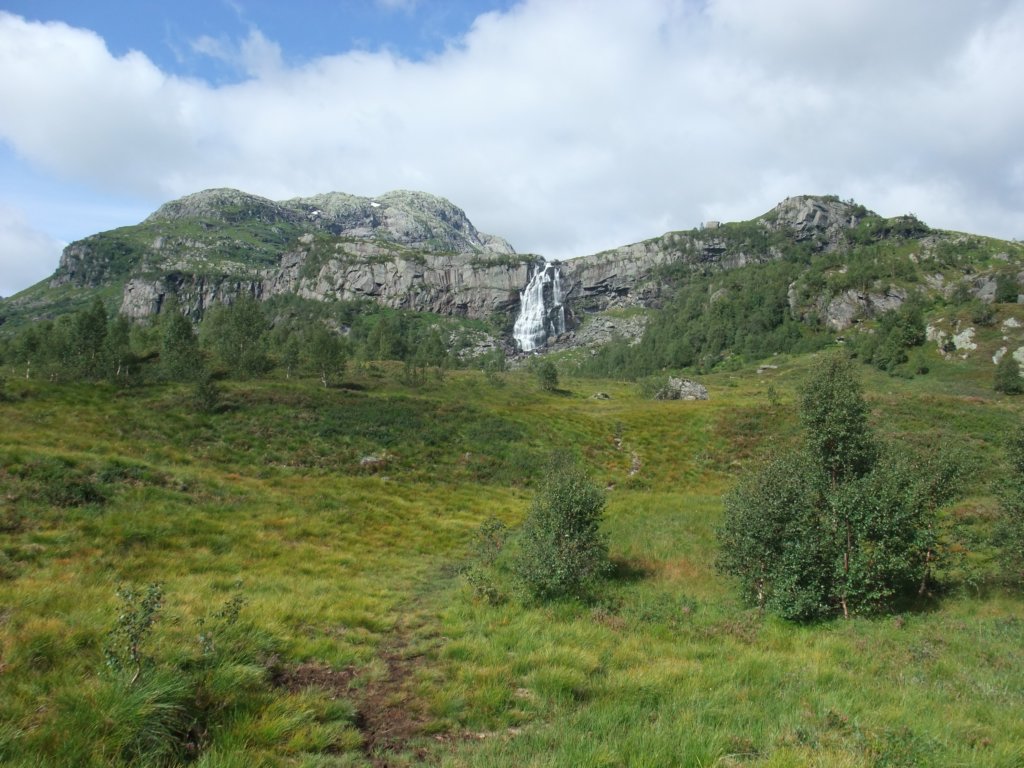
(412, 250)
(403, 249)
(470, 285)
(638, 274)
(447, 284)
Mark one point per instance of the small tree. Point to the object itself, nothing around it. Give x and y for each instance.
(840, 525)
(1010, 531)
(179, 348)
(237, 334)
(326, 352)
(1007, 377)
(1007, 288)
(834, 417)
(118, 345)
(547, 376)
(139, 611)
(290, 354)
(563, 552)
(85, 341)
(387, 339)
(492, 364)
(206, 394)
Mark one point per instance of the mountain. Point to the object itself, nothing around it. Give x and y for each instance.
(412, 250)
(403, 249)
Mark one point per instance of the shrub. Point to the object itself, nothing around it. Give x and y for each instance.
(206, 393)
(898, 332)
(480, 571)
(1007, 376)
(237, 333)
(139, 611)
(61, 483)
(1010, 530)
(982, 313)
(834, 417)
(841, 525)
(160, 708)
(563, 552)
(547, 376)
(327, 354)
(1006, 289)
(179, 348)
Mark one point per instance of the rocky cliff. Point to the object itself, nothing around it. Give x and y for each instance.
(412, 250)
(638, 274)
(403, 249)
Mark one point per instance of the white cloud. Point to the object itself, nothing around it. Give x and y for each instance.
(567, 126)
(255, 56)
(26, 255)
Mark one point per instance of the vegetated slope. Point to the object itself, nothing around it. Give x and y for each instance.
(342, 517)
(801, 276)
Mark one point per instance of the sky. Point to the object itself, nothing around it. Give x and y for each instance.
(565, 126)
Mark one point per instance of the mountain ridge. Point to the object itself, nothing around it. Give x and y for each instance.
(417, 251)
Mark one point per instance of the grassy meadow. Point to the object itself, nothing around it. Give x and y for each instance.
(311, 547)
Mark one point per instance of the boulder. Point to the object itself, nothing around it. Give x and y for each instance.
(682, 389)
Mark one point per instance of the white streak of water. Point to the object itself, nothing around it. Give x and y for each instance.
(541, 312)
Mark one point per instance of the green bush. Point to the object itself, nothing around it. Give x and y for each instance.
(134, 625)
(562, 550)
(1007, 289)
(982, 313)
(547, 375)
(237, 333)
(898, 332)
(1010, 530)
(180, 359)
(206, 394)
(1007, 376)
(481, 570)
(840, 526)
(161, 708)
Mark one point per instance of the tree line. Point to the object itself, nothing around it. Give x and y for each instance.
(244, 339)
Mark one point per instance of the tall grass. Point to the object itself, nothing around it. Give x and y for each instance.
(355, 614)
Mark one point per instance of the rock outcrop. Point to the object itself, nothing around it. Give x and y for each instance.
(838, 312)
(682, 389)
(403, 249)
(820, 220)
(635, 274)
(448, 284)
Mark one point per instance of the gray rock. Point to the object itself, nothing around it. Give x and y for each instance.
(810, 217)
(682, 389)
(842, 310)
(964, 341)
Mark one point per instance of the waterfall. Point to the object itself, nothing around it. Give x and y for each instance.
(541, 313)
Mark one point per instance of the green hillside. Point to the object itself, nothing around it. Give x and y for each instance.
(313, 548)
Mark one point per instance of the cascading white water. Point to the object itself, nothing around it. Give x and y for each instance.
(541, 313)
